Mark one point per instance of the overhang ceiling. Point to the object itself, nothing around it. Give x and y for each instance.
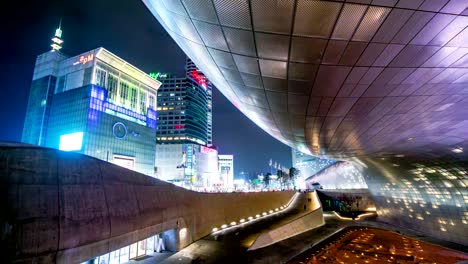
(336, 78)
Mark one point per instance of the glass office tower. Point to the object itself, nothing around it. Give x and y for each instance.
(184, 133)
(96, 104)
(194, 73)
(184, 108)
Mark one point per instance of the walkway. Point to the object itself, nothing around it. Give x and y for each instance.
(232, 247)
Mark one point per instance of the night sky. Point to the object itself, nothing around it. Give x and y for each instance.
(129, 30)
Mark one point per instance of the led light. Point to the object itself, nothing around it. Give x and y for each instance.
(264, 213)
(457, 150)
(215, 229)
(55, 46)
(271, 211)
(242, 220)
(224, 226)
(57, 40)
(257, 216)
(233, 223)
(250, 218)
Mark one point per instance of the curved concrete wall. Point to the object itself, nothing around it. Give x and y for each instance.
(67, 207)
(312, 218)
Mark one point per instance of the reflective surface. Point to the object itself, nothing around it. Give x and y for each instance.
(340, 78)
(428, 196)
(356, 78)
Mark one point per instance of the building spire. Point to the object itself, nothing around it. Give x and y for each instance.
(57, 39)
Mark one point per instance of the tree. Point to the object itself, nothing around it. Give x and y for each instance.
(280, 175)
(293, 173)
(284, 178)
(266, 180)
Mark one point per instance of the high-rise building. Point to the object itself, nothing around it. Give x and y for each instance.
(194, 73)
(184, 133)
(41, 92)
(94, 103)
(185, 108)
(226, 170)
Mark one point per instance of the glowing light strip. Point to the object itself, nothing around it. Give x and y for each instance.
(258, 217)
(357, 218)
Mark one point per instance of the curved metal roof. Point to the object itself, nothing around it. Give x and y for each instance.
(338, 78)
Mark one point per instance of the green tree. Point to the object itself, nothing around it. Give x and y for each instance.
(266, 180)
(293, 173)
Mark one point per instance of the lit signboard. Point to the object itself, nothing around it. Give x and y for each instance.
(207, 150)
(199, 78)
(156, 75)
(71, 142)
(124, 161)
(84, 59)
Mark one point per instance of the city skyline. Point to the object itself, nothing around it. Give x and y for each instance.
(80, 33)
(336, 126)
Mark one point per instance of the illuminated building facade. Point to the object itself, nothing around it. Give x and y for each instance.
(41, 92)
(94, 103)
(187, 165)
(184, 108)
(226, 171)
(184, 133)
(194, 73)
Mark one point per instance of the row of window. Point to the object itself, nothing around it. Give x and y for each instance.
(170, 117)
(124, 92)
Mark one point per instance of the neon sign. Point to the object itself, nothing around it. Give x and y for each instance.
(199, 78)
(156, 75)
(207, 150)
(84, 59)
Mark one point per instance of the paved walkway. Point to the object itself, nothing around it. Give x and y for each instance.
(231, 247)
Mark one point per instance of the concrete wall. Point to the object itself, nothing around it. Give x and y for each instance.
(310, 219)
(67, 208)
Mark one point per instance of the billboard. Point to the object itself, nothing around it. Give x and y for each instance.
(71, 142)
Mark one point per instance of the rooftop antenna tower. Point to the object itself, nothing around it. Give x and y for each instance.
(57, 39)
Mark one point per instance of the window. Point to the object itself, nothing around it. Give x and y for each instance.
(133, 98)
(151, 102)
(142, 102)
(112, 82)
(123, 91)
(100, 78)
(61, 84)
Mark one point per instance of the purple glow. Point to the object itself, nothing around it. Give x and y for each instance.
(151, 118)
(98, 93)
(93, 115)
